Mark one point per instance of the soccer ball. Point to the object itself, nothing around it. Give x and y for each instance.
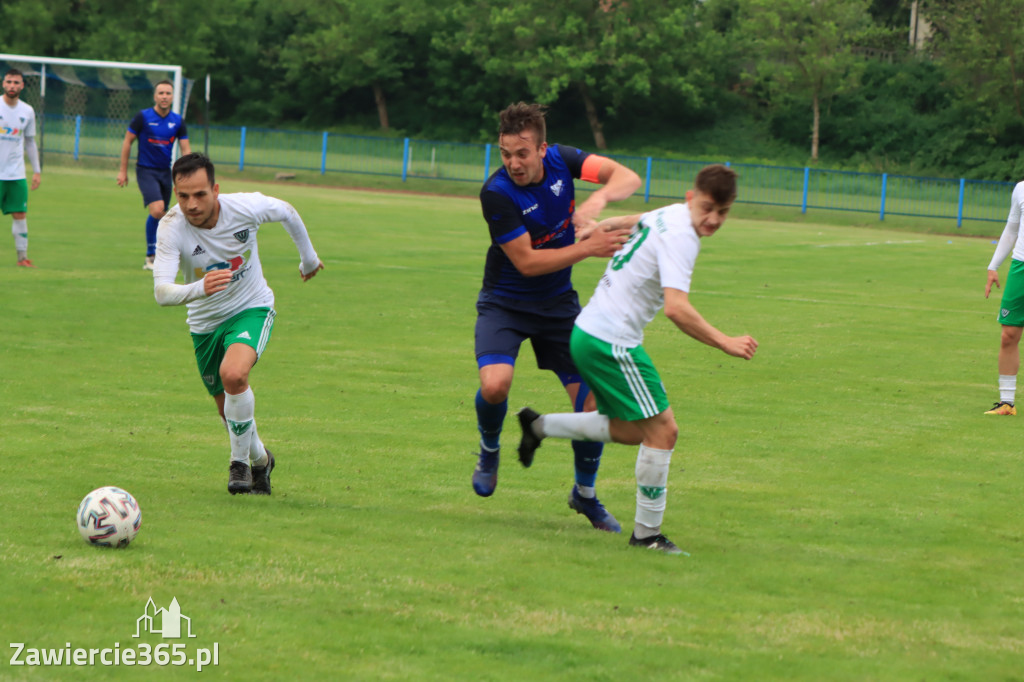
(109, 517)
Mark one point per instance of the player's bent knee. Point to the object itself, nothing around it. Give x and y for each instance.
(664, 434)
(495, 392)
(235, 379)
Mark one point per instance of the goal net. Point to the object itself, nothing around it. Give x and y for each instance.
(83, 107)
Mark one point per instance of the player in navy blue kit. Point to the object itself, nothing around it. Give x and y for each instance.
(156, 129)
(537, 234)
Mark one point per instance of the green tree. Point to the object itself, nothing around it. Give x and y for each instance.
(981, 44)
(236, 42)
(47, 28)
(355, 44)
(809, 49)
(604, 52)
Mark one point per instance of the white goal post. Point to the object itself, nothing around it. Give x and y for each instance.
(90, 101)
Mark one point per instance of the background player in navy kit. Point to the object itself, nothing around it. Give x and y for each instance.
(537, 234)
(156, 129)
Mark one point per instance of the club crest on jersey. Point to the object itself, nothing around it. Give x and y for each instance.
(242, 235)
(556, 188)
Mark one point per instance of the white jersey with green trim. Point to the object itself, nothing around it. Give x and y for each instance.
(230, 244)
(16, 123)
(660, 254)
(1012, 238)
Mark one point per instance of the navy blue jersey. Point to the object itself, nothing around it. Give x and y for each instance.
(544, 210)
(156, 135)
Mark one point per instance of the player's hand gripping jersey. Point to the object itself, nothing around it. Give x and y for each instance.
(660, 254)
(230, 244)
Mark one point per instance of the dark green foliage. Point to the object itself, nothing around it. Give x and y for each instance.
(661, 79)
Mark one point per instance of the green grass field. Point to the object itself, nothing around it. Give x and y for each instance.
(848, 511)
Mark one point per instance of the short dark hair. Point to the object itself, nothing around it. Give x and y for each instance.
(191, 163)
(164, 82)
(718, 182)
(14, 72)
(519, 117)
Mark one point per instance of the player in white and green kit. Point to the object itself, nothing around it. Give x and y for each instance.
(17, 141)
(1011, 309)
(211, 238)
(652, 270)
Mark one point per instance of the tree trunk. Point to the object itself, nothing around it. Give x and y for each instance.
(592, 119)
(815, 129)
(382, 106)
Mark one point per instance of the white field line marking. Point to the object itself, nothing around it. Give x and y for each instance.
(885, 243)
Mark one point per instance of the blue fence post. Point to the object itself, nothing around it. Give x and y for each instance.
(960, 206)
(487, 161)
(323, 155)
(885, 185)
(405, 160)
(647, 181)
(241, 151)
(807, 182)
(78, 134)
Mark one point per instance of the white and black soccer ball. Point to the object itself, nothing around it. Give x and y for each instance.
(109, 517)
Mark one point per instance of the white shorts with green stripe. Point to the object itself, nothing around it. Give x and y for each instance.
(623, 380)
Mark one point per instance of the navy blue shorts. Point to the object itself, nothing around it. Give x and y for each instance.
(155, 185)
(503, 324)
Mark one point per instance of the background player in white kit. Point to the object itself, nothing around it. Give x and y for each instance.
(17, 140)
(1011, 308)
(211, 238)
(653, 268)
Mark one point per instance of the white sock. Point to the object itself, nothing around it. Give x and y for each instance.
(651, 483)
(591, 426)
(239, 412)
(1007, 387)
(19, 228)
(586, 492)
(257, 450)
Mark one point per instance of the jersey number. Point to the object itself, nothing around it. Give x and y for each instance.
(630, 247)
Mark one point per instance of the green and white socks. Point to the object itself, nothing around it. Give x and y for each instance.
(239, 413)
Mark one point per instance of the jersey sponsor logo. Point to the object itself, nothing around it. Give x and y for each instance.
(7, 130)
(557, 188)
(237, 265)
(540, 241)
(199, 250)
(242, 235)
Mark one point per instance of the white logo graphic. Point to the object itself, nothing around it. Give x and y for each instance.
(1004, 312)
(165, 622)
(245, 335)
(557, 188)
(170, 621)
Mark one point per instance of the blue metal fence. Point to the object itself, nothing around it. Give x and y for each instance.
(797, 187)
